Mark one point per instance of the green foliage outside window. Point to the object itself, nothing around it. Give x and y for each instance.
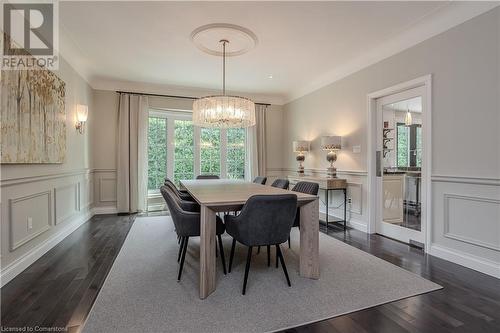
(210, 151)
(402, 145)
(157, 152)
(236, 153)
(184, 150)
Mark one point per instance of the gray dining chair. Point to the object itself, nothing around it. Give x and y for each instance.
(307, 188)
(260, 180)
(184, 195)
(207, 177)
(281, 183)
(187, 224)
(264, 220)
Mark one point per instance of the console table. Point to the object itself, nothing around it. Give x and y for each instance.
(326, 184)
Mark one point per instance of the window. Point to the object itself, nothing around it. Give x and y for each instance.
(210, 151)
(409, 145)
(236, 153)
(179, 150)
(157, 152)
(184, 150)
(402, 145)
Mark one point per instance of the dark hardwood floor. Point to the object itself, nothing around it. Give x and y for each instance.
(60, 288)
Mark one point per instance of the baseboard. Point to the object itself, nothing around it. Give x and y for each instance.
(20, 264)
(352, 222)
(464, 259)
(104, 210)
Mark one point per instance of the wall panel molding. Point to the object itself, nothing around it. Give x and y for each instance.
(463, 238)
(31, 179)
(14, 244)
(107, 193)
(63, 194)
(466, 180)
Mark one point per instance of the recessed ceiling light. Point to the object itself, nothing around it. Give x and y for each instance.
(270, 76)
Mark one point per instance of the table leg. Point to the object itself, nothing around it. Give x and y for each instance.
(207, 252)
(326, 204)
(309, 240)
(345, 209)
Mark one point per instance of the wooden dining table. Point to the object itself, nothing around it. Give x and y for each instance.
(223, 195)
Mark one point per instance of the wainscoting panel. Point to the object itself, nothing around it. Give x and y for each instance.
(465, 226)
(105, 190)
(66, 202)
(30, 216)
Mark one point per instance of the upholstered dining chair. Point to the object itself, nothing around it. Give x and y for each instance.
(187, 224)
(184, 195)
(307, 188)
(260, 180)
(281, 183)
(207, 177)
(263, 220)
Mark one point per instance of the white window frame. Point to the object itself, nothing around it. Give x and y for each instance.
(172, 116)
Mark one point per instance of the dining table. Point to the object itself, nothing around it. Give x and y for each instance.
(225, 195)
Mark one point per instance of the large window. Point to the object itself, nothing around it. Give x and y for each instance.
(179, 150)
(409, 145)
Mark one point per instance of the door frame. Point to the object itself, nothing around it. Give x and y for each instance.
(426, 82)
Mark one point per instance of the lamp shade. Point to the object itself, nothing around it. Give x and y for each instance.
(300, 146)
(82, 112)
(331, 143)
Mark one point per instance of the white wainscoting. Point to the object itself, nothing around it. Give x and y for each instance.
(40, 211)
(356, 192)
(466, 222)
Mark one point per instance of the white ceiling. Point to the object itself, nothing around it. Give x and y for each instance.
(302, 45)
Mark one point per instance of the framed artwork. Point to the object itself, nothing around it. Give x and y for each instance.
(33, 117)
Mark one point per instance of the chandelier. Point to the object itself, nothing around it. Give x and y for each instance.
(223, 111)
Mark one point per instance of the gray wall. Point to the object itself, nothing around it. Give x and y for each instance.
(465, 67)
(58, 197)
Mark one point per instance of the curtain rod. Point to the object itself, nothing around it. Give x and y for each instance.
(171, 96)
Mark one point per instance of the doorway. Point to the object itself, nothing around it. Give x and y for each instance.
(400, 156)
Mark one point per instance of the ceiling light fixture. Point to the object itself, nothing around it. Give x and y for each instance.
(408, 118)
(224, 111)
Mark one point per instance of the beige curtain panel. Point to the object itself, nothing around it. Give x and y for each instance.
(131, 182)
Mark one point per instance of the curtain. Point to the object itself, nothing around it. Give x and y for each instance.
(256, 145)
(131, 180)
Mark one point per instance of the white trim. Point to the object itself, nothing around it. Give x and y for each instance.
(104, 210)
(20, 264)
(31, 179)
(479, 264)
(426, 82)
(466, 180)
(320, 171)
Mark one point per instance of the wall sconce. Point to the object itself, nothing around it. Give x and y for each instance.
(82, 112)
(331, 144)
(300, 147)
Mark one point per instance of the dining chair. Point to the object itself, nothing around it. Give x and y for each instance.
(260, 180)
(187, 224)
(184, 195)
(264, 220)
(281, 183)
(207, 177)
(307, 188)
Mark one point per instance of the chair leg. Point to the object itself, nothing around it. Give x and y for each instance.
(181, 247)
(283, 264)
(277, 265)
(182, 258)
(231, 255)
(221, 248)
(289, 246)
(268, 255)
(247, 268)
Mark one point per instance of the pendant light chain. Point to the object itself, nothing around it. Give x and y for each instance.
(223, 41)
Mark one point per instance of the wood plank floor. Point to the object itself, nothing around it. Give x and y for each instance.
(60, 288)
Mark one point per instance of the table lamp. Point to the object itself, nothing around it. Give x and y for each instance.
(300, 147)
(331, 144)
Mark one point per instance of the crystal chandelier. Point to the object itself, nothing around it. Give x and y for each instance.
(223, 111)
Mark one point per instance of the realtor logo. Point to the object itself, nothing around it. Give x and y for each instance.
(30, 38)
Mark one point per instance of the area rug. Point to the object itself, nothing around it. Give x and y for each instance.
(141, 292)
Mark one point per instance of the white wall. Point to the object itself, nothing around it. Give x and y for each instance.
(104, 134)
(465, 67)
(58, 197)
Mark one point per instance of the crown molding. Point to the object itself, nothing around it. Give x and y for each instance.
(437, 22)
(100, 83)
